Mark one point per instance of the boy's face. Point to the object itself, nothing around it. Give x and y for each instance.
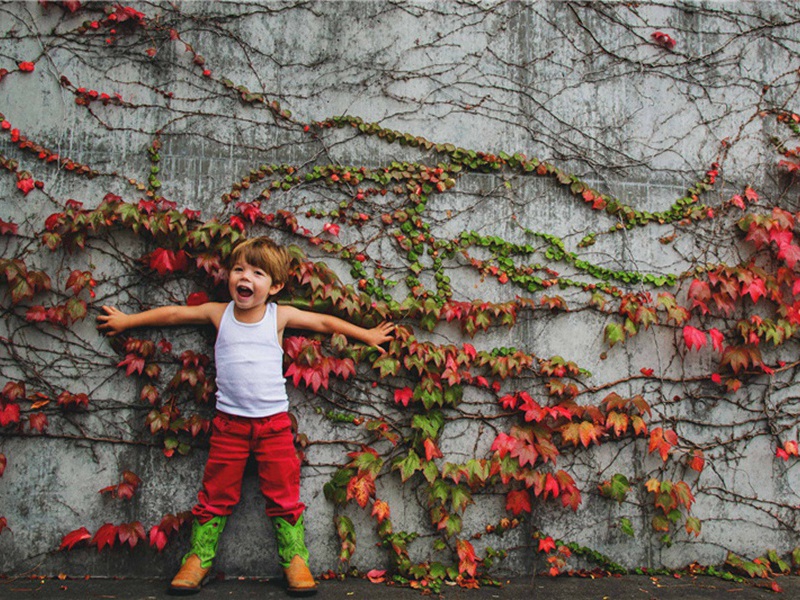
(250, 286)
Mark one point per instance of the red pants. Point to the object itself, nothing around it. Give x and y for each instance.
(271, 440)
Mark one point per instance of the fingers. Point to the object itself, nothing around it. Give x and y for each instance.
(104, 324)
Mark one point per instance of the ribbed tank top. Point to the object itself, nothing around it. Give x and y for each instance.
(249, 362)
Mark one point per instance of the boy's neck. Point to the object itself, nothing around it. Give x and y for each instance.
(249, 315)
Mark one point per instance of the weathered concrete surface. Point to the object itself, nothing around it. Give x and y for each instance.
(580, 85)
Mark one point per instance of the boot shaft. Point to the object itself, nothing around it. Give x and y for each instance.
(290, 539)
(205, 539)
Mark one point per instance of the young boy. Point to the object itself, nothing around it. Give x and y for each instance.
(252, 405)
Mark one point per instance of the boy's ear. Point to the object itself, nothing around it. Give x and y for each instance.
(277, 287)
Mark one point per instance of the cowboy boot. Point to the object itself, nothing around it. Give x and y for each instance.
(294, 556)
(197, 562)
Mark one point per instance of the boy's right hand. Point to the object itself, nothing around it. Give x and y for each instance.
(113, 322)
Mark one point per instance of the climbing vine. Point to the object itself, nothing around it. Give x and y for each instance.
(466, 409)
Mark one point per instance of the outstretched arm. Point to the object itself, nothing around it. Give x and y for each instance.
(115, 321)
(294, 318)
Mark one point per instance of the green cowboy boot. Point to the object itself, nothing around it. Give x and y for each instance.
(197, 562)
(294, 555)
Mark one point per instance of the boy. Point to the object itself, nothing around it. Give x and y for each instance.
(252, 405)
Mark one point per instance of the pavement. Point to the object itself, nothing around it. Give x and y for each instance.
(629, 587)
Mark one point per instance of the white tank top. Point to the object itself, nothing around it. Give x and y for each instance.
(249, 362)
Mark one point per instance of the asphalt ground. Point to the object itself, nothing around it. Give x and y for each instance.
(629, 587)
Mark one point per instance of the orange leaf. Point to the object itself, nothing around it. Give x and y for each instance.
(361, 488)
(697, 461)
(467, 561)
(380, 510)
(589, 433)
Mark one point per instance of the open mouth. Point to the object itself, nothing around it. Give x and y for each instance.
(243, 291)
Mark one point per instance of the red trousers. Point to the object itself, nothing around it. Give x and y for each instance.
(271, 441)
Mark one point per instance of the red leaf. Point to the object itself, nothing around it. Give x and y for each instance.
(165, 261)
(737, 201)
(36, 314)
(158, 539)
(8, 228)
(131, 533)
(13, 390)
(26, 66)
(105, 536)
(403, 396)
(431, 450)
(547, 544)
(756, 289)
(331, 228)
(78, 280)
(9, 414)
(38, 422)
(74, 537)
(236, 221)
(71, 5)
(518, 501)
(790, 254)
(133, 364)
(196, 299)
(646, 372)
(3, 463)
(504, 444)
(663, 40)
(376, 576)
(509, 401)
(25, 185)
(694, 337)
(717, 339)
(551, 486)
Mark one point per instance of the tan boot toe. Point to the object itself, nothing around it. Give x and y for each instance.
(298, 577)
(189, 579)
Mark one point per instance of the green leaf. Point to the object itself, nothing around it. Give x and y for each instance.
(408, 466)
(453, 525)
(460, 498)
(387, 365)
(429, 425)
(614, 334)
(616, 488)
(626, 527)
(430, 471)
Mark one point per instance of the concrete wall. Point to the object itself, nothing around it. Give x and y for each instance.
(581, 85)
